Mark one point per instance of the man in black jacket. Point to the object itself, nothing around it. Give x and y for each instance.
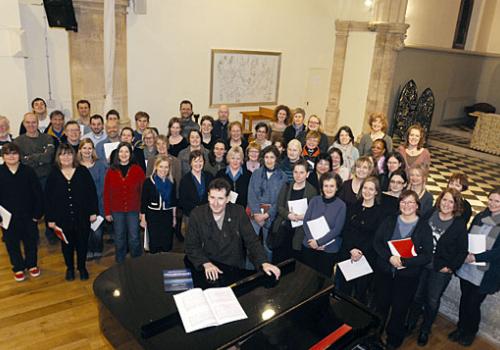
(219, 232)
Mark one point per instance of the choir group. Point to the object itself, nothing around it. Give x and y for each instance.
(73, 174)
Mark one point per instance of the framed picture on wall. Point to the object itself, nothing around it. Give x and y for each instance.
(244, 78)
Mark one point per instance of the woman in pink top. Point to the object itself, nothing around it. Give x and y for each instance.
(413, 150)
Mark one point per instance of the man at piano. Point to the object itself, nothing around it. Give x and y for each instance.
(220, 233)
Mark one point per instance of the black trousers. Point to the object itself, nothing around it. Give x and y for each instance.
(394, 293)
(78, 239)
(23, 231)
(319, 260)
(285, 250)
(160, 231)
(469, 314)
(357, 288)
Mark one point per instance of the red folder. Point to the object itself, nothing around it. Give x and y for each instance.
(326, 342)
(60, 234)
(402, 247)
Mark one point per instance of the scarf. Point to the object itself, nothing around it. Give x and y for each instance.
(310, 153)
(164, 188)
(235, 177)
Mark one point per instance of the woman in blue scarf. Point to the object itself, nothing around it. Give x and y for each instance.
(158, 205)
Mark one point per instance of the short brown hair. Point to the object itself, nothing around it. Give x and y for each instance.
(461, 178)
(313, 134)
(457, 199)
(141, 114)
(378, 115)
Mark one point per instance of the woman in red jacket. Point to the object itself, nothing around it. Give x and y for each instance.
(122, 201)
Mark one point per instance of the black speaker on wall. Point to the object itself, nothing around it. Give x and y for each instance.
(60, 13)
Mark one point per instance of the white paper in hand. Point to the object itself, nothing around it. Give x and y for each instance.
(318, 227)
(298, 207)
(477, 245)
(354, 269)
(110, 147)
(233, 196)
(95, 225)
(6, 216)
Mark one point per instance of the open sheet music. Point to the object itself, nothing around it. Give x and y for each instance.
(212, 307)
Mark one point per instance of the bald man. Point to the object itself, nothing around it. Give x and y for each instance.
(220, 126)
(37, 149)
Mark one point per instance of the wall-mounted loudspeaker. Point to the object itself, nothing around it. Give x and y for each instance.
(60, 13)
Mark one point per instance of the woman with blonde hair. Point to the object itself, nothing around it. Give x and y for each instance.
(417, 180)
(236, 174)
(5, 135)
(236, 137)
(158, 206)
(378, 126)
(314, 124)
(88, 158)
(149, 136)
(363, 167)
(293, 154)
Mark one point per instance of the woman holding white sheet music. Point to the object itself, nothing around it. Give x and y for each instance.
(397, 277)
(320, 251)
(87, 157)
(362, 220)
(476, 282)
(285, 239)
(449, 233)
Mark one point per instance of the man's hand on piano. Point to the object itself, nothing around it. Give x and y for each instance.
(271, 269)
(211, 271)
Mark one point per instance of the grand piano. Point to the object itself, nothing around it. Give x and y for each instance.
(300, 311)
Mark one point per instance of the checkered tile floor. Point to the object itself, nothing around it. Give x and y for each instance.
(483, 176)
(450, 138)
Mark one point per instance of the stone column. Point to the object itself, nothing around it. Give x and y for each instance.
(86, 48)
(332, 109)
(388, 43)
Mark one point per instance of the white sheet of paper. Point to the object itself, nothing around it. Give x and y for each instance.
(82, 130)
(233, 196)
(477, 244)
(146, 240)
(110, 147)
(319, 228)
(95, 225)
(6, 216)
(354, 269)
(298, 207)
(224, 304)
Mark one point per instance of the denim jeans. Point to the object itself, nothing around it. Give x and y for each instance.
(126, 225)
(435, 284)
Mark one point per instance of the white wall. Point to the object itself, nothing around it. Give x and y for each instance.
(13, 95)
(432, 23)
(169, 49)
(56, 47)
(357, 68)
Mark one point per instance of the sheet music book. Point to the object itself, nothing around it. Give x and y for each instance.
(212, 307)
(95, 225)
(354, 269)
(477, 244)
(177, 280)
(402, 247)
(233, 196)
(60, 234)
(6, 216)
(298, 207)
(319, 227)
(110, 147)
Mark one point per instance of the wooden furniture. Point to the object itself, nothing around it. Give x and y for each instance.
(250, 118)
(486, 134)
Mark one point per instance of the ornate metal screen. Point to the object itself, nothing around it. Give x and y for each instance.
(411, 109)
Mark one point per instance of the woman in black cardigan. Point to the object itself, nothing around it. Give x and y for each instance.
(477, 282)
(193, 187)
(362, 220)
(71, 202)
(449, 233)
(236, 174)
(397, 277)
(158, 206)
(286, 241)
(21, 195)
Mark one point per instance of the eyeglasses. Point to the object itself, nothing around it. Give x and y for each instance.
(397, 182)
